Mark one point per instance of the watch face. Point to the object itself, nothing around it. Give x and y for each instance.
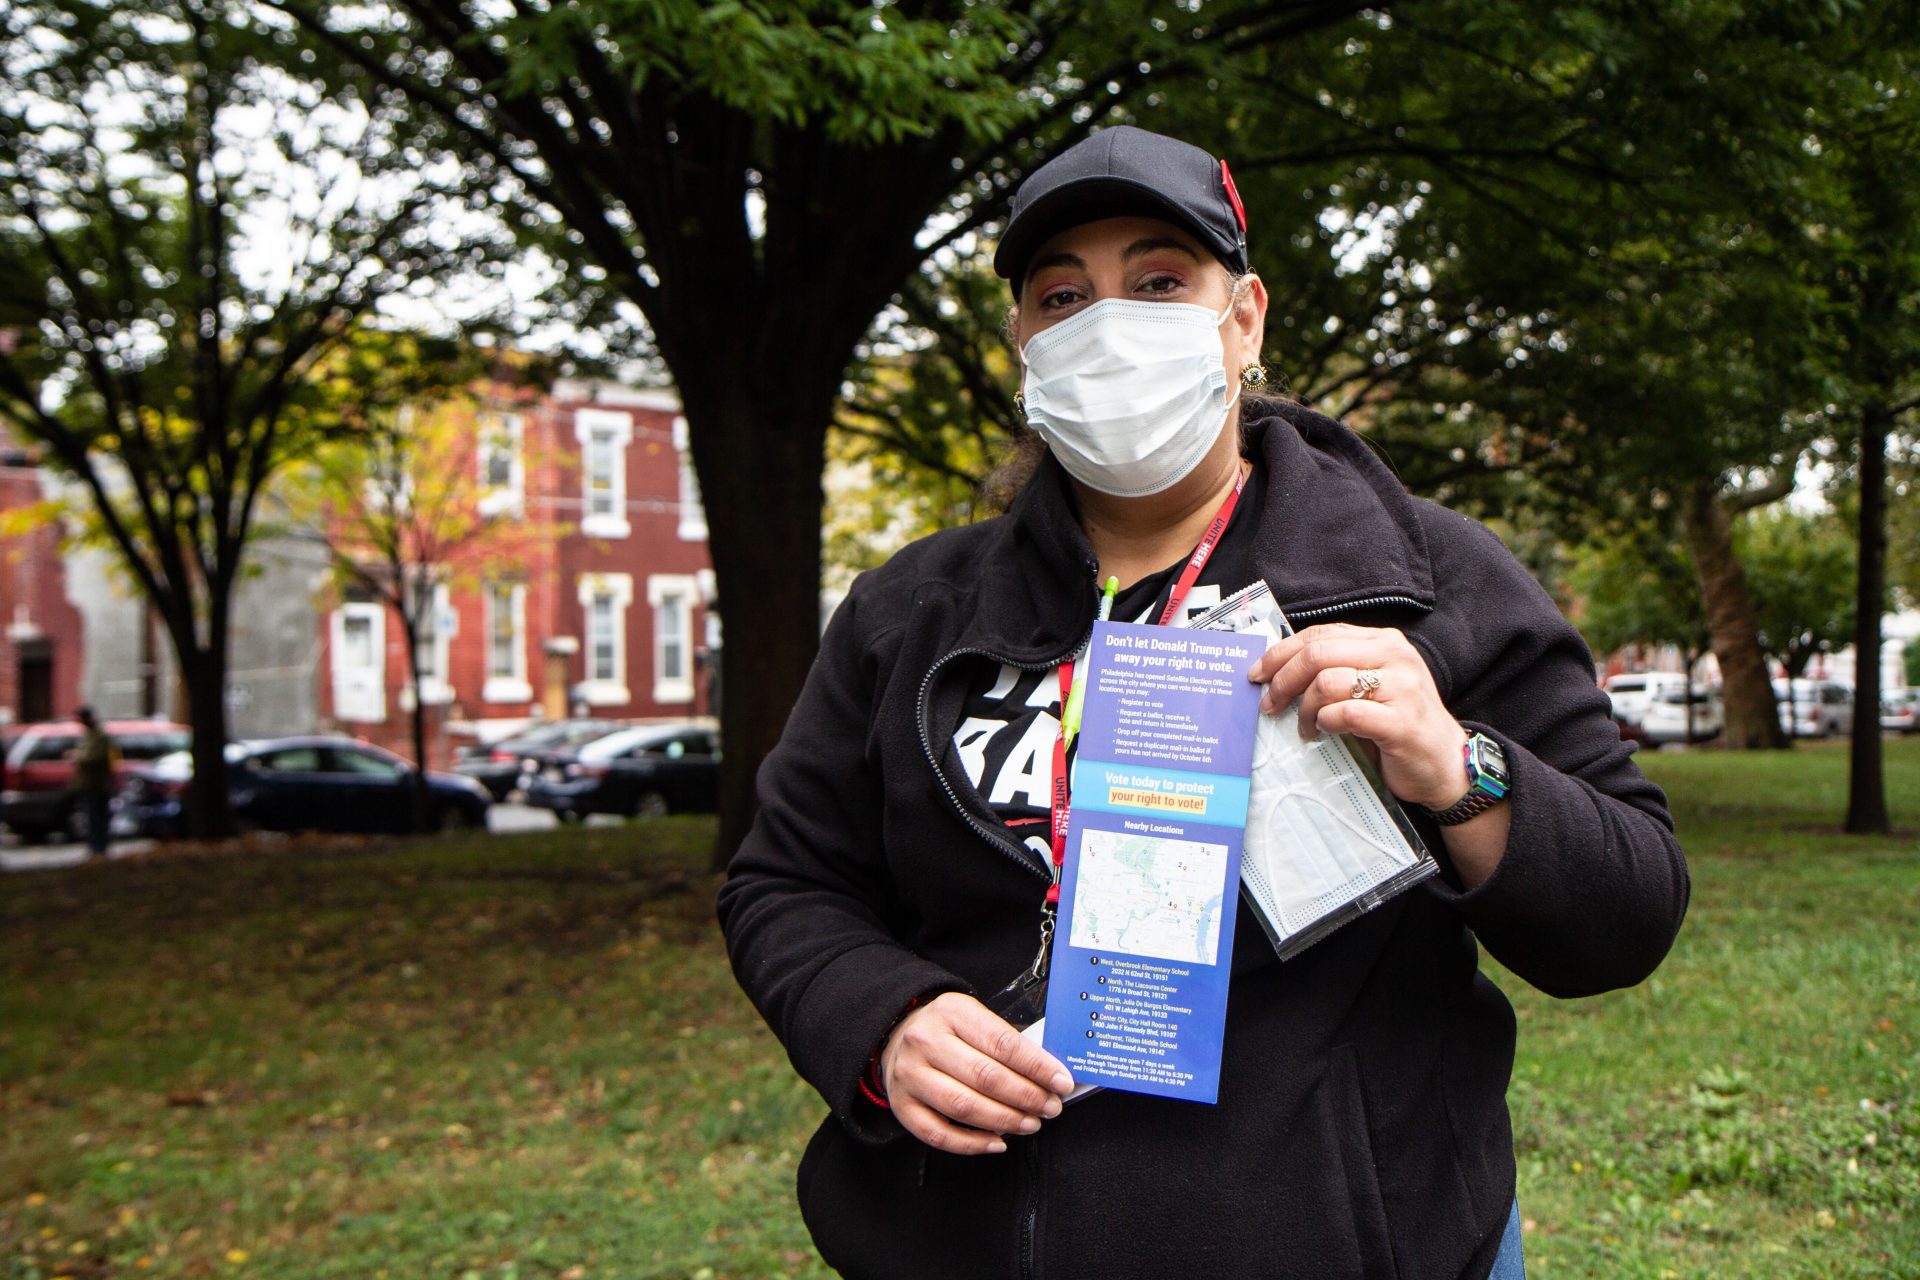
(1489, 760)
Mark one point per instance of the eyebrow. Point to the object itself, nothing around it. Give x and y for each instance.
(1140, 247)
(1134, 250)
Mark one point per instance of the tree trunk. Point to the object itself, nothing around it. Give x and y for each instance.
(422, 805)
(1752, 719)
(766, 558)
(203, 672)
(1866, 783)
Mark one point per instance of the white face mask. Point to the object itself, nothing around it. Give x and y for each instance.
(1130, 395)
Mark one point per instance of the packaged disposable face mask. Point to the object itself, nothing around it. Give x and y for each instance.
(1326, 842)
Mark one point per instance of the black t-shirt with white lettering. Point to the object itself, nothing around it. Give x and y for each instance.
(1011, 716)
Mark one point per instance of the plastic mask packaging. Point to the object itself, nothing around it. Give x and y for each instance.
(1129, 395)
(1325, 840)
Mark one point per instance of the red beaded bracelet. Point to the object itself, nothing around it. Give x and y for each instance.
(871, 1087)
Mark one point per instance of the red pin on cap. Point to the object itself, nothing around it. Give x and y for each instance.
(1233, 194)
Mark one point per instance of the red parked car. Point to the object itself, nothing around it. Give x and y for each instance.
(38, 800)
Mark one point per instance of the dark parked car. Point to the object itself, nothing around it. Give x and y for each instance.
(308, 784)
(498, 767)
(39, 801)
(642, 772)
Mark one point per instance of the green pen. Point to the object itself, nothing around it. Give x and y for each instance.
(1077, 696)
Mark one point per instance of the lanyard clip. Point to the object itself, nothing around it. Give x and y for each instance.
(1043, 959)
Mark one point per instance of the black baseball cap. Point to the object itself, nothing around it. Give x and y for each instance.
(1125, 172)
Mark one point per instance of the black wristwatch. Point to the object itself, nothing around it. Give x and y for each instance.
(1487, 782)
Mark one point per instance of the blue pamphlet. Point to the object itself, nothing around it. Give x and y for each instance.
(1137, 991)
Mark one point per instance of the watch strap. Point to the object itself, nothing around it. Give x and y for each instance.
(1483, 790)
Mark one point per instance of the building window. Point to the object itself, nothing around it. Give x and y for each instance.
(672, 597)
(603, 645)
(604, 436)
(502, 470)
(356, 640)
(604, 599)
(435, 625)
(602, 499)
(693, 512)
(506, 644)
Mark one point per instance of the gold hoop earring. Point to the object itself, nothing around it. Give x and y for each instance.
(1253, 377)
(1020, 402)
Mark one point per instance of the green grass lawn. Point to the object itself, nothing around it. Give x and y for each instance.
(524, 1057)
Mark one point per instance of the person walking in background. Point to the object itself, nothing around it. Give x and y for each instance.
(93, 779)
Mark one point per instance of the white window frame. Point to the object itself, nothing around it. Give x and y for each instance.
(604, 691)
(693, 511)
(367, 703)
(497, 431)
(685, 588)
(620, 426)
(511, 685)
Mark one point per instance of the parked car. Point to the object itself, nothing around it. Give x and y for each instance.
(498, 767)
(537, 760)
(1900, 710)
(8, 736)
(1816, 709)
(646, 771)
(307, 784)
(1632, 692)
(1665, 718)
(39, 801)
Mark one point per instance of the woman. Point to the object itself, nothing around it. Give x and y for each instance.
(896, 875)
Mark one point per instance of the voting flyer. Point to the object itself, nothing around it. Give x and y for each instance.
(1137, 993)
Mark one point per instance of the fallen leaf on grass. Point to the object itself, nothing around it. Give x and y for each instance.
(192, 1098)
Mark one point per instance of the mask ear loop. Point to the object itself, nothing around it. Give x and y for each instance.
(1233, 300)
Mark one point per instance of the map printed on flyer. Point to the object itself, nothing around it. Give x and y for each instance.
(1137, 995)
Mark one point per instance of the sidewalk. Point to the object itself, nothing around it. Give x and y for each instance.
(40, 857)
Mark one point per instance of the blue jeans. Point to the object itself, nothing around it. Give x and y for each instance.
(1509, 1265)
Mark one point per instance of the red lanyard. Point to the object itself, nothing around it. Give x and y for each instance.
(1062, 800)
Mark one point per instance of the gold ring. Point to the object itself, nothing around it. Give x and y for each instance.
(1365, 684)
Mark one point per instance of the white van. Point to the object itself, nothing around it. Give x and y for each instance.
(1667, 717)
(1633, 692)
(1817, 709)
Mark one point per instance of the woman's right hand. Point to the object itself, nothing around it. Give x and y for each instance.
(958, 1076)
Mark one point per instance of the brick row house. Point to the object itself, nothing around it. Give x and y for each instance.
(41, 634)
(608, 615)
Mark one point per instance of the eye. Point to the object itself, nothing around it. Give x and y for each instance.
(1056, 298)
(1160, 284)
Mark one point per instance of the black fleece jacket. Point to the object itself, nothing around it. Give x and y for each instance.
(1362, 1128)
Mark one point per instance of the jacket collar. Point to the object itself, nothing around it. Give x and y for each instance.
(1336, 528)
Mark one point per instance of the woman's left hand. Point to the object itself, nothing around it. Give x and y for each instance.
(1398, 709)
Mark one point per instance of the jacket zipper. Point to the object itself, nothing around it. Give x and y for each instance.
(1030, 1224)
(1365, 603)
(1019, 853)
